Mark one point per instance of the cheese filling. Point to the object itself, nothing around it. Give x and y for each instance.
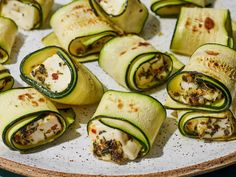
(38, 131)
(25, 15)
(195, 92)
(113, 7)
(53, 73)
(112, 144)
(152, 72)
(210, 128)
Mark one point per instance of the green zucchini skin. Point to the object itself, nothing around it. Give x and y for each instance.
(215, 27)
(8, 30)
(81, 37)
(212, 64)
(52, 40)
(84, 88)
(18, 112)
(134, 10)
(143, 125)
(43, 8)
(186, 117)
(128, 55)
(6, 80)
(171, 8)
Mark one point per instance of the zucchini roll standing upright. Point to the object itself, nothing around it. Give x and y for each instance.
(207, 81)
(125, 126)
(8, 31)
(51, 71)
(27, 14)
(128, 15)
(220, 126)
(172, 7)
(136, 64)
(6, 80)
(79, 30)
(198, 26)
(29, 120)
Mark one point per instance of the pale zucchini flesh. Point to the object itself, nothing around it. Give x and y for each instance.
(117, 13)
(198, 26)
(30, 120)
(79, 30)
(130, 121)
(8, 32)
(65, 83)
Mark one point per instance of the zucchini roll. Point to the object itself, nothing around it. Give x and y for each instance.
(52, 40)
(207, 81)
(172, 7)
(27, 14)
(79, 30)
(210, 126)
(125, 126)
(29, 120)
(117, 12)
(6, 80)
(198, 26)
(8, 31)
(136, 64)
(51, 71)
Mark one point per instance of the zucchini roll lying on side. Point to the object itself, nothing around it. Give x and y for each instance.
(129, 15)
(29, 120)
(207, 81)
(51, 71)
(80, 31)
(125, 126)
(219, 126)
(198, 26)
(172, 7)
(6, 80)
(136, 64)
(8, 32)
(27, 14)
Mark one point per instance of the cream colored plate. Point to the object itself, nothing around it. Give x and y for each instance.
(172, 154)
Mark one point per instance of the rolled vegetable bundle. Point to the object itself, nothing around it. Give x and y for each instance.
(207, 82)
(118, 13)
(51, 71)
(28, 14)
(125, 125)
(172, 7)
(29, 120)
(8, 31)
(6, 80)
(219, 126)
(136, 64)
(198, 26)
(79, 30)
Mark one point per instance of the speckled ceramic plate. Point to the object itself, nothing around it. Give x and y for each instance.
(171, 155)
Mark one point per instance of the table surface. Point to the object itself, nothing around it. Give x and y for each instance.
(229, 171)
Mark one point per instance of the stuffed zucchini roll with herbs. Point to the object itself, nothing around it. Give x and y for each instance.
(210, 126)
(79, 30)
(27, 14)
(29, 120)
(51, 71)
(136, 64)
(125, 126)
(8, 32)
(207, 81)
(128, 15)
(198, 26)
(172, 7)
(52, 40)
(6, 80)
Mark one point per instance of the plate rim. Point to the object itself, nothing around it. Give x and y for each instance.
(200, 168)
